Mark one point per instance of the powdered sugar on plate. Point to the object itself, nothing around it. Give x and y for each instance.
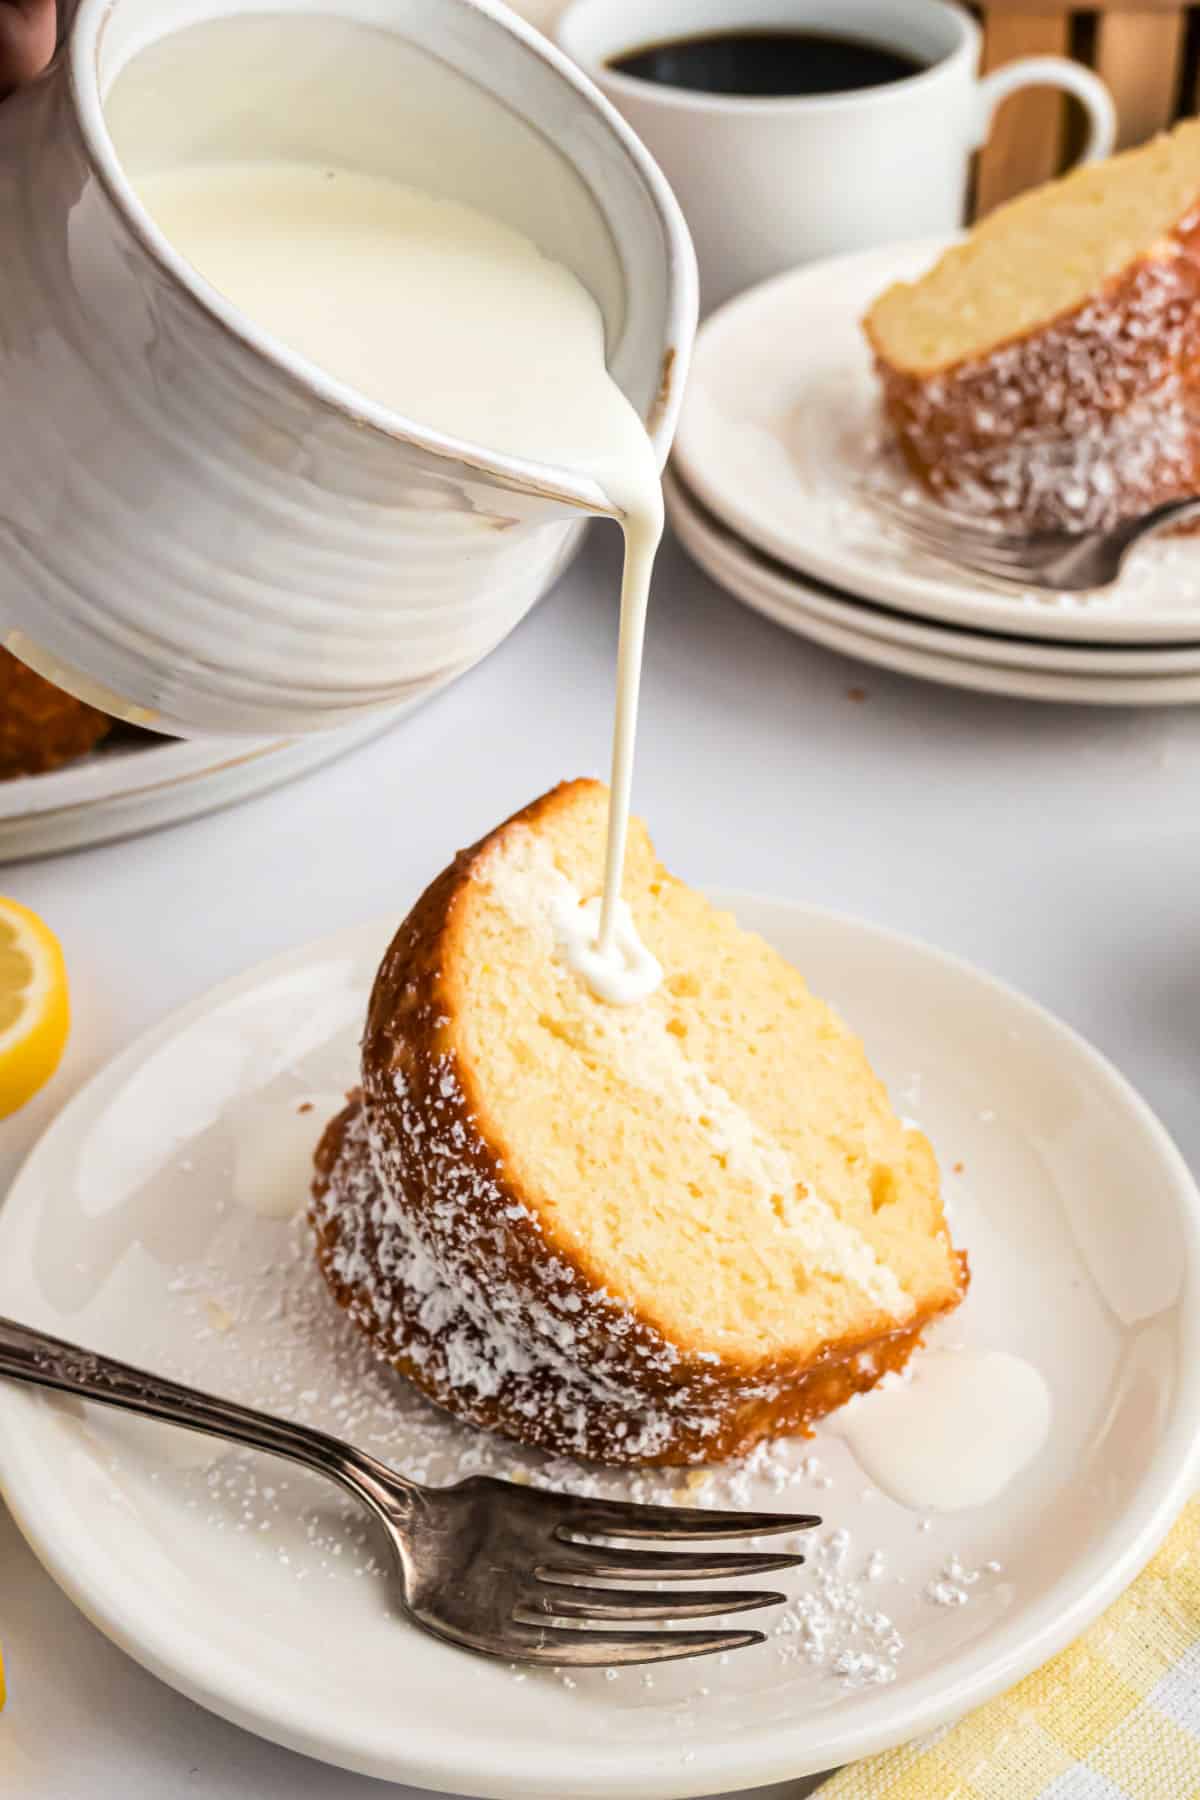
(247, 1314)
(123, 1234)
(254, 1320)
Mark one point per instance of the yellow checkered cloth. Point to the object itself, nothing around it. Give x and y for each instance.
(1114, 1717)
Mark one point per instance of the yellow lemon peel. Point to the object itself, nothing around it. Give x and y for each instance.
(35, 1013)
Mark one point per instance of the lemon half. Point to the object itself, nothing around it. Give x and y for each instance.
(35, 1013)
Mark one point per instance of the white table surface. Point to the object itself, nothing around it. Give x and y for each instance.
(1057, 847)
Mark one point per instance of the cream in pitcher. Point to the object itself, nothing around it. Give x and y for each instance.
(450, 317)
(241, 536)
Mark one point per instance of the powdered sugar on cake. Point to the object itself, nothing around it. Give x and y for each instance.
(1044, 369)
(1084, 421)
(443, 1214)
(849, 1611)
(427, 1303)
(821, 462)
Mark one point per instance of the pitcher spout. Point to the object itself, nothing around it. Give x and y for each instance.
(197, 523)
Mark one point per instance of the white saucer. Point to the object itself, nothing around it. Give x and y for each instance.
(780, 435)
(723, 550)
(891, 641)
(138, 786)
(233, 1577)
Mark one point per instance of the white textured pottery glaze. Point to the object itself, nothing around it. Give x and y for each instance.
(198, 527)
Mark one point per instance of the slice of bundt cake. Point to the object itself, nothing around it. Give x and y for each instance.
(649, 1233)
(41, 727)
(1046, 368)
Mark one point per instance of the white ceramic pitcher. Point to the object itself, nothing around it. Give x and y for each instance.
(200, 529)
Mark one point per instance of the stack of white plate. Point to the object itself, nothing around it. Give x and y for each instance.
(780, 449)
(136, 785)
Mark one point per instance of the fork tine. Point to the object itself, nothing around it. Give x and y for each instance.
(1020, 571)
(1015, 570)
(1028, 556)
(591, 1649)
(616, 1518)
(952, 537)
(600, 1561)
(966, 550)
(600, 1604)
(951, 540)
(926, 516)
(1014, 581)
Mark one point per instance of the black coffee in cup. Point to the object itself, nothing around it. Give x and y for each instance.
(768, 63)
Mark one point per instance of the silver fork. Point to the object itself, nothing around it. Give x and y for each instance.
(1061, 561)
(486, 1564)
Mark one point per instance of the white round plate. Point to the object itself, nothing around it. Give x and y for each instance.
(133, 787)
(248, 1586)
(780, 437)
(737, 558)
(788, 601)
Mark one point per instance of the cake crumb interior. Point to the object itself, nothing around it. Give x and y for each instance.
(721, 1154)
(1041, 256)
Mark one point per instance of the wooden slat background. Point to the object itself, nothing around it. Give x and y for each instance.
(1073, 6)
(1141, 48)
(1026, 139)
(1139, 55)
(1146, 50)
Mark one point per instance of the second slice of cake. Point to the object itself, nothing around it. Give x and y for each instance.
(654, 1233)
(1045, 369)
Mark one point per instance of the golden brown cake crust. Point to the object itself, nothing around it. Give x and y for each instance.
(41, 727)
(1089, 418)
(452, 1276)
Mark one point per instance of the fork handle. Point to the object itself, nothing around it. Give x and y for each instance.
(40, 1360)
(1168, 512)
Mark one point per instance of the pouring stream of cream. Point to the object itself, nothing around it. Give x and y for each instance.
(460, 323)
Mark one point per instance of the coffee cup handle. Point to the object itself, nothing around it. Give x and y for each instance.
(1052, 71)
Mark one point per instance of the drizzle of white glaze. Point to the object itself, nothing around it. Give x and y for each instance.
(952, 1431)
(628, 972)
(537, 897)
(455, 319)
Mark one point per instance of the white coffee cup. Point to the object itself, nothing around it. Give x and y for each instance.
(769, 183)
